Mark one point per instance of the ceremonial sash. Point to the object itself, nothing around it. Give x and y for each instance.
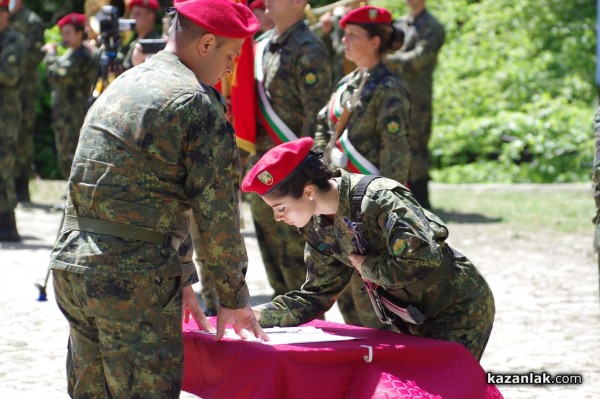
(335, 105)
(276, 128)
(356, 162)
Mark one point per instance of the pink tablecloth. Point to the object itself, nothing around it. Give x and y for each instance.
(402, 367)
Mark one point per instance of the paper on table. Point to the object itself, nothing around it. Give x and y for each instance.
(286, 335)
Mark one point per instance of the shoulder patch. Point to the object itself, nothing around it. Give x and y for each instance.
(310, 78)
(11, 59)
(393, 127)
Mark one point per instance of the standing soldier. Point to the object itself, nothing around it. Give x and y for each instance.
(415, 63)
(144, 12)
(12, 61)
(374, 138)
(293, 81)
(154, 147)
(70, 77)
(31, 26)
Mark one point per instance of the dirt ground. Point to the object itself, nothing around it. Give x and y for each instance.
(545, 285)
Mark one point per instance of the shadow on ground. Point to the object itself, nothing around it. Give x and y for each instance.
(465, 218)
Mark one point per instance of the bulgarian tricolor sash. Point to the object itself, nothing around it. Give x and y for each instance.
(276, 128)
(356, 162)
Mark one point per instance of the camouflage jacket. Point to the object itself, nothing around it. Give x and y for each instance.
(154, 146)
(126, 53)
(30, 25)
(378, 127)
(12, 59)
(71, 76)
(417, 59)
(297, 79)
(403, 246)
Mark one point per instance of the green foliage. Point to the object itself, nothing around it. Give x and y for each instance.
(514, 90)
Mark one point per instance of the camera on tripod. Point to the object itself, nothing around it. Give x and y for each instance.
(111, 27)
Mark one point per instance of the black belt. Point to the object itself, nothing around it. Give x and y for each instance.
(121, 230)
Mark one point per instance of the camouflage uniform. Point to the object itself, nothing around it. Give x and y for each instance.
(333, 42)
(70, 77)
(154, 147)
(30, 25)
(405, 243)
(127, 58)
(298, 79)
(415, 63)
(12, 60)
(378, 129)
(596, 179)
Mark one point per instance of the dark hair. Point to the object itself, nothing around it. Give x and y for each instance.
(391, 38)
(313, 171)
(186, 30)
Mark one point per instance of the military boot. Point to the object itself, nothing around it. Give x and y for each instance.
(420, 192)
(22, 189)
(8, 227)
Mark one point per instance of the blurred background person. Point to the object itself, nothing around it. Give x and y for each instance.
(70, 77)
(266, 23)
(293, 82)
(415, 63)
(13, 58)
(145, 13)
(31, 26)
(374, 139)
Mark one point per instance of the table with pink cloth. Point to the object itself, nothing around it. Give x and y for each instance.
(400, 366)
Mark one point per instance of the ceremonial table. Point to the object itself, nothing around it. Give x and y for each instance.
(379, 364)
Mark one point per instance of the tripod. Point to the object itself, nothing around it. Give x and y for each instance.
(109, 67)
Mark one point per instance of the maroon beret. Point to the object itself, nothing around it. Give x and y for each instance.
(72, 19)
(222, 17)
(277, 166)
(151, 4)
(4, 3)
(257, 4)
(367, 15)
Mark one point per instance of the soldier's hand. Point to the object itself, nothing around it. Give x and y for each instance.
(241, 320)
(190, 305)
(357, 261)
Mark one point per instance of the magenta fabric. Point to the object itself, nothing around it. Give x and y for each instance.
(402, 367)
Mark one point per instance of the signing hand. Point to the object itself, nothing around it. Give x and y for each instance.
(190, 305)
(241, 319)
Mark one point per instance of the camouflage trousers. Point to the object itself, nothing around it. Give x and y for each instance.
(418, 141)
(125, 335)
(24, 149)
(9, 126)
(281, 247)
(67, 120)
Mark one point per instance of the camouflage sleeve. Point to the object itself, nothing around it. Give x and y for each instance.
(393, 125)
(314, 77)
(326, 278)
(35, 41)
(412, 252)
(66, 71)
(189, 275)
(322, 131)
(425, 50)
(212, 186)
(11, 62)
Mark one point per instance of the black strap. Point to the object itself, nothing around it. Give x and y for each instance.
(358, 194)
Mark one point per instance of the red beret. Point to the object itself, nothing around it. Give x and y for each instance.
(4, 3)
(367, 15)
(72, 19)
(277, 166)
(222, 17)
(151, 4)
(257, 4)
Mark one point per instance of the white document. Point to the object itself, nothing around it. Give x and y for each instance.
(286, 335)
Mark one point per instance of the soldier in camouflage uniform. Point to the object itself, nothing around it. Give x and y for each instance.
(154, 147)
(12, 64)
(596, 179)
(406, 254)
(375, 138)
(144, 12)
(415, 63)
(31, 26)
(293, 76)
(70, 76)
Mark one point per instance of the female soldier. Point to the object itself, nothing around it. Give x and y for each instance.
(425, 287)
(70, 76)
(374, 140)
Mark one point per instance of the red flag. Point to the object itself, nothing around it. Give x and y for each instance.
(243, 99)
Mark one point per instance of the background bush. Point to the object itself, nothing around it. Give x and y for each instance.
(514, 90)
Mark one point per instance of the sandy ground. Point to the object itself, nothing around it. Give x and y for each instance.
(546, 289)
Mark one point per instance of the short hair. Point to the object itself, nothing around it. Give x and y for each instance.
(186, 30)
(314, 171)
